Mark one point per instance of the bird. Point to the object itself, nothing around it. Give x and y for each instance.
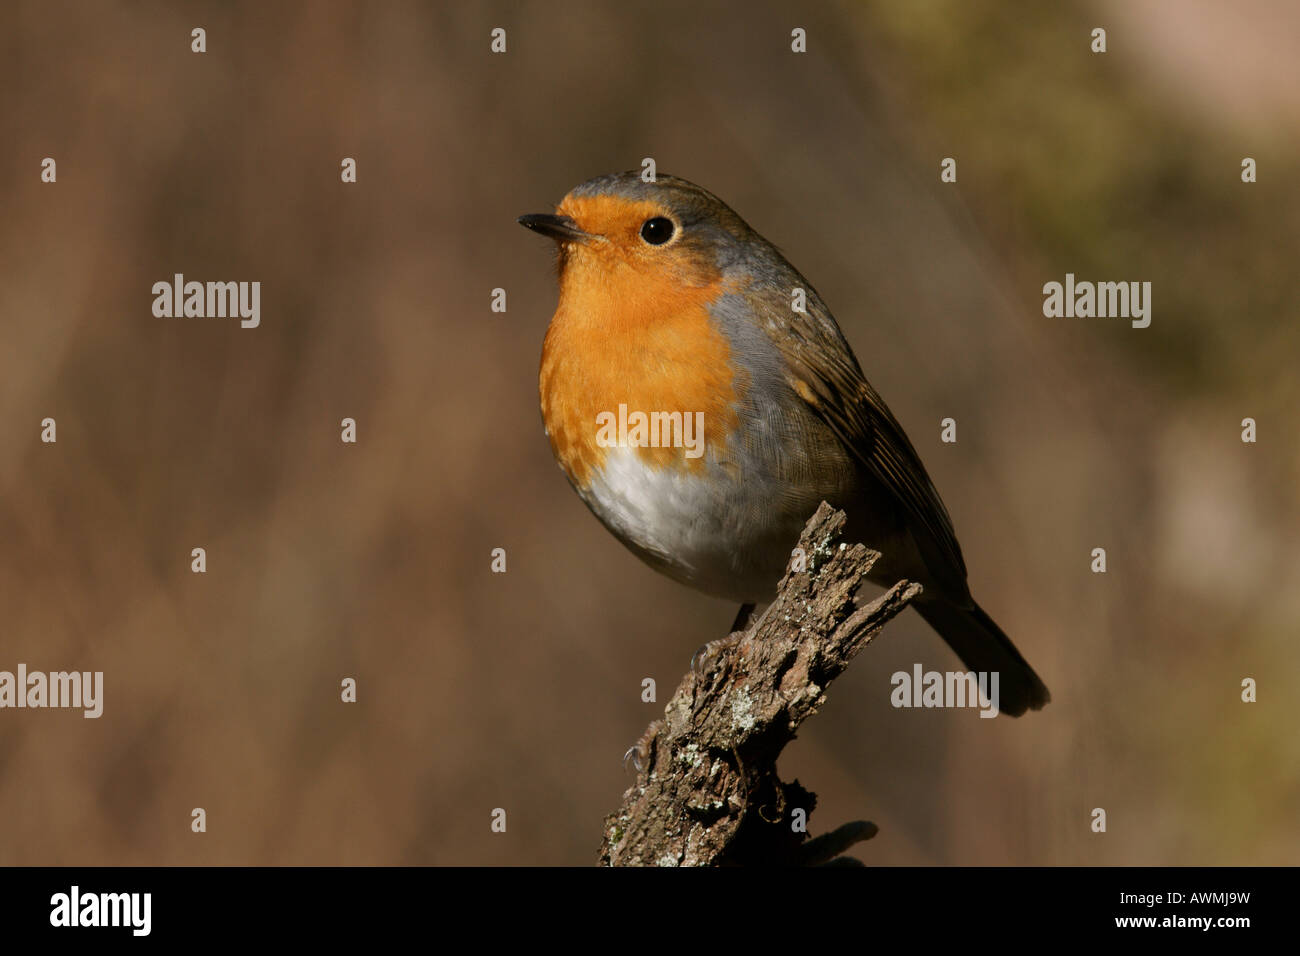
(703, 416)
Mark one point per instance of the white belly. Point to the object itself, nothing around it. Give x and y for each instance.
(708, 527)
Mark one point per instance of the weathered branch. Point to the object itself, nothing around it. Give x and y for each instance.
(707, 792)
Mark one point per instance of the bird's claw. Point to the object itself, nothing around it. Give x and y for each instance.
(635, 754)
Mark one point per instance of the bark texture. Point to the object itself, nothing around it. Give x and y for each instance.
(707, 791)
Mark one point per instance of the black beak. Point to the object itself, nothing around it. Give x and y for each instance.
(559, 228)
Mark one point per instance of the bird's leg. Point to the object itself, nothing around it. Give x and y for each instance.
(738, 629)
(743, 617)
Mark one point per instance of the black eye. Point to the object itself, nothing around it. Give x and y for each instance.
(657, 231)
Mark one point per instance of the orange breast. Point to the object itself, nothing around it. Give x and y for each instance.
(625, 336)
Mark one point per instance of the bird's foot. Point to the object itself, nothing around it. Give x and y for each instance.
(706, 654)
(639, 752)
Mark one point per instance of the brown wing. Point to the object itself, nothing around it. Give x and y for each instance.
(822, 369)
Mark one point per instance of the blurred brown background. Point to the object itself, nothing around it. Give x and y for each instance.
(521, 690)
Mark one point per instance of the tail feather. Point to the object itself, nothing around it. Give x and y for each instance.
(982, 646)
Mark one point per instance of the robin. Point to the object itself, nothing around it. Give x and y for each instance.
(703, 417)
